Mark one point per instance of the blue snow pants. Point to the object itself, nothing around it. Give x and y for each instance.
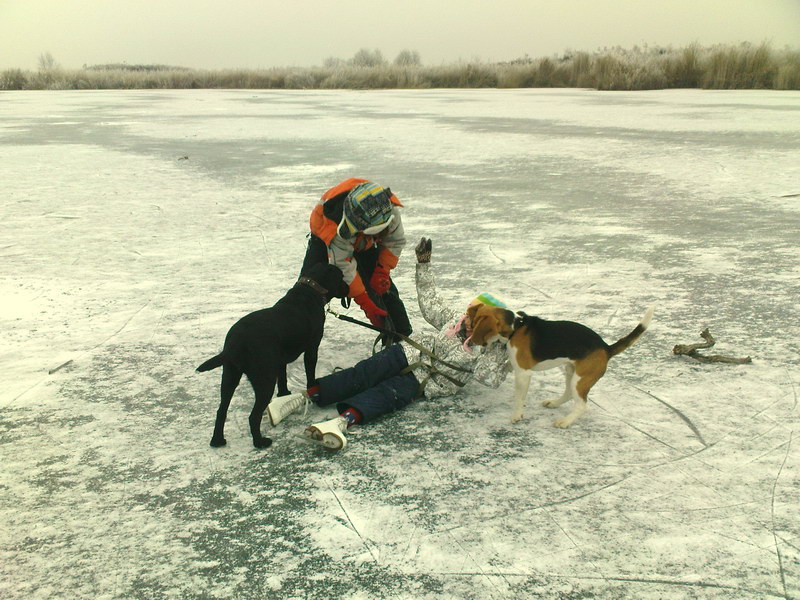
(374, 386)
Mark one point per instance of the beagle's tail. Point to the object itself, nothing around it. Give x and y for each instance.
(211, 363)
(628, 341)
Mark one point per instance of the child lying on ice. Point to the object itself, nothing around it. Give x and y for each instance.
(391, 379)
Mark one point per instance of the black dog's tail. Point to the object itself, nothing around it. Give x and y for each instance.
(211, 363)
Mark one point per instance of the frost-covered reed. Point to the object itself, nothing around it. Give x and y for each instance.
(743, 66)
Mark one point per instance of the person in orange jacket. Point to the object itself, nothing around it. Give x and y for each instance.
(356, 225)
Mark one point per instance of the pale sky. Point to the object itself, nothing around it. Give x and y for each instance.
(216, 34)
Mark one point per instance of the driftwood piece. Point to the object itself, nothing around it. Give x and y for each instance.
(690, 350)
(59, 367)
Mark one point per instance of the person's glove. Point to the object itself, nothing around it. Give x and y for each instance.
(380, 281)
(374, 314)
(423, 250)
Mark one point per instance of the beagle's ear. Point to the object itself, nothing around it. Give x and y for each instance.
(505, 323)
(484, 327)
(472, 311)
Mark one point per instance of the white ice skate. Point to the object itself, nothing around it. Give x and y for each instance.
(282, 407)
(330, 434)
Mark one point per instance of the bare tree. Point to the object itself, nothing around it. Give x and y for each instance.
(368, 58)
(408, 58)
(47, 62)
(333, 62)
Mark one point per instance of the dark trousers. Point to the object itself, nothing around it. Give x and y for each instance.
(366, 261)
(374, 386)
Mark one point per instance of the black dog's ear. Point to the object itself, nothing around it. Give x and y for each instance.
(338, 288)
(520, 320)
(317, 272)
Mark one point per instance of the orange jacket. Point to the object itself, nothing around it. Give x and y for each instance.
(340, 251)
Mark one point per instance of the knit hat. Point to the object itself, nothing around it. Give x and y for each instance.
(487, 299)
(367, 208)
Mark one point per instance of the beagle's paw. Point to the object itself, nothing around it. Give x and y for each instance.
(554, 402)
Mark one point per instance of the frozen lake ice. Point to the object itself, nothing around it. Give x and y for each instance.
(137, 226)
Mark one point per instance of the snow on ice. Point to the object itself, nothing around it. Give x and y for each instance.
(137, 226)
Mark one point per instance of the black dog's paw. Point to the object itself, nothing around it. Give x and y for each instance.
(218, 443)
(262, 442)
(284, 393)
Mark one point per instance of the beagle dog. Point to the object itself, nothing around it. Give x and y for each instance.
(536, 344)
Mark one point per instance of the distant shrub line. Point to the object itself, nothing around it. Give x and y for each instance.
(743, 66)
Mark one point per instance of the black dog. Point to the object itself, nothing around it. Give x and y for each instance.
(261, 344)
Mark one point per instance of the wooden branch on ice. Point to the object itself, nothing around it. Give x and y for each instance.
(59, 367)
(691, 351)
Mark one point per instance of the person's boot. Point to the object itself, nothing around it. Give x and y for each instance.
(397, 313)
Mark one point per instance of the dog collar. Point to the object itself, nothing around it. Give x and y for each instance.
(313, 285)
